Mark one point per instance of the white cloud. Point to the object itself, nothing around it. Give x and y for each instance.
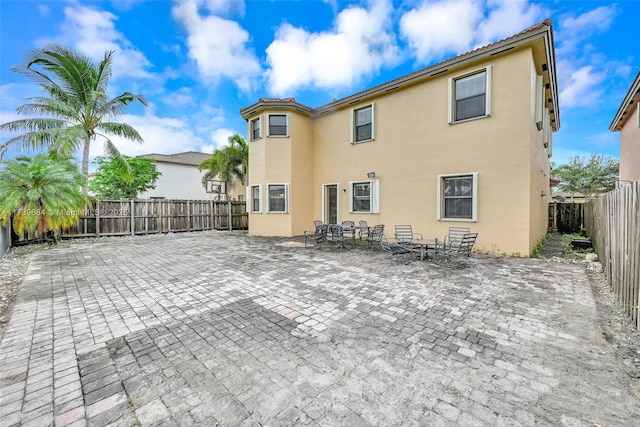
(161, 135)
(218, 45)
(435, 29)
(93, 32)
(573, 31)
(580, 88)
(506, 18)
(360, 43)
(219, 139)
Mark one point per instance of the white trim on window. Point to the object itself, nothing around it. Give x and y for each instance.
(440, 197)
(638, 111)
(286, 197)
(269, 126)
(257, 119)
(452, 100)
(374, 196)
(251, 206)
(353, 123)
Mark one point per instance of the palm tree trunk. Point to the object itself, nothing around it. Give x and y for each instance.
(85, 164)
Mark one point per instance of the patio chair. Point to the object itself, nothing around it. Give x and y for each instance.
(336, 234)
(455, 235)
(394, 250)
(348, 228)
(319, 235)
(405, 234)
(374, 235)
(363, 233)
(449, 254)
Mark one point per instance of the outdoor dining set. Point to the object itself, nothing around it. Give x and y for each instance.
(457, 243)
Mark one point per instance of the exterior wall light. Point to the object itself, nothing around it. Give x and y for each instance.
(371, 175)
(542, 194)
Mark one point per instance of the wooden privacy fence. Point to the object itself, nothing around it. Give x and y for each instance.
(132, 217)
(138, 217)
(566, 217)
(613, 223)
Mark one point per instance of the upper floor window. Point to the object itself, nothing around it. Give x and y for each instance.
(470, 96)
(278, 125)
(458, 197)
(256, 128)
(362, 124)
(278, 197)
(364, 197)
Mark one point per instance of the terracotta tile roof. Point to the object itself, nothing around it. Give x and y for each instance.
(540, 29)
(440, 67)
(276, 102)
(193, 158)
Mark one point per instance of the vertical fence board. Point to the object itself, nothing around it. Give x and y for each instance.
(135, 217)
(613, 223)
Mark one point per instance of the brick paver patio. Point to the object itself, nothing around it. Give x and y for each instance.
(225, 329)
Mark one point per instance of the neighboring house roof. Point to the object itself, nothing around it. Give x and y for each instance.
(541, 30)
(631, 99)
(192, 158)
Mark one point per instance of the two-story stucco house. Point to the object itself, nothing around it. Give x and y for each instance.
(465, 142)
(181, 179)
(627, 122)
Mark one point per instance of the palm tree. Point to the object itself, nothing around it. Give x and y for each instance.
(228, 163)
(42, 193)
(76, 108)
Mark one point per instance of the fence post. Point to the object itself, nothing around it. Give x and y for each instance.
(188, 216)
(133, 218)
(229, 207)
(159, 216)
(211, 227)
(97, 211)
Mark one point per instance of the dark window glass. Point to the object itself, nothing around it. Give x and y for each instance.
(364, 123)
(277, 198)
(278, 125)
(362, 197)
(458, 197)
(255, 129)
(471, 95)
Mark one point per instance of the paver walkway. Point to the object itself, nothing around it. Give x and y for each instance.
(224, 329)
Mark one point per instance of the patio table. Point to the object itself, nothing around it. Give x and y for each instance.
(424, 245)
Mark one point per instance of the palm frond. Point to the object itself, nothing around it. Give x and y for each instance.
(120, 161)
(121, 129)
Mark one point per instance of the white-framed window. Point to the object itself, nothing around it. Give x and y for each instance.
(364, 196)
(278, 124)
(362, 124)
(457, 197)
(470, 95)
(278, 198)
(256, 128)
(254, 193)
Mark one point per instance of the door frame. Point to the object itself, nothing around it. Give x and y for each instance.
(325, 213)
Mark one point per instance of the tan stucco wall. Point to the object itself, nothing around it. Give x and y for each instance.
(414, 143)
(630, 149)
(283, 160)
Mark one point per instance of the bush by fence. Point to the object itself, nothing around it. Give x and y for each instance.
(613, 223)
(137, 217)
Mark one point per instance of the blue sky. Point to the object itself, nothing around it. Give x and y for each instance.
(198, 62)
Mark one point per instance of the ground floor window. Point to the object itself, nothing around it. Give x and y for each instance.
(363, 197)
(278, 197)
(457, 197)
